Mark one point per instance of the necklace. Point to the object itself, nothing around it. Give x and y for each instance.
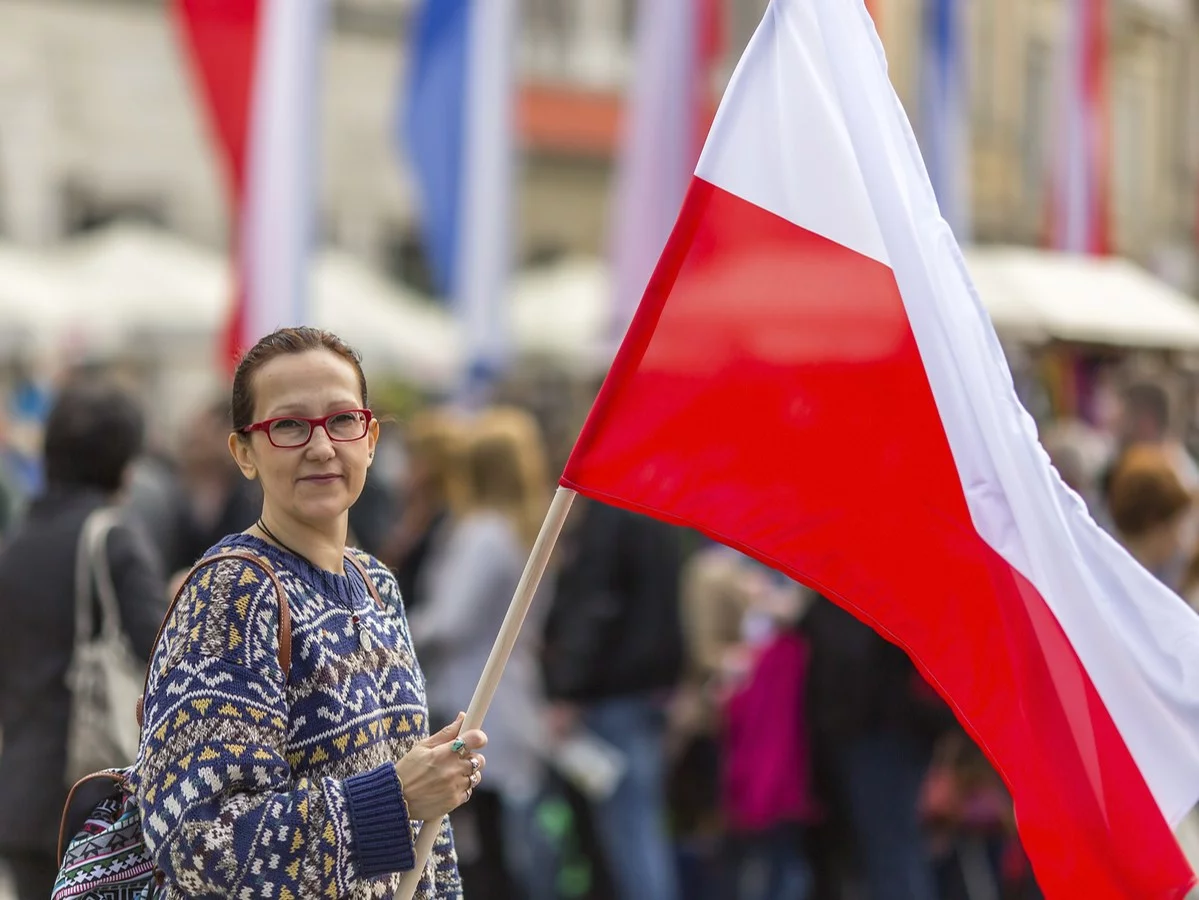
(354, 618)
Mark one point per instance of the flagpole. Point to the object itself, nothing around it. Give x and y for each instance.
(539, 558)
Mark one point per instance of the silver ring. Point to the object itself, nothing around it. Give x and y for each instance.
(475, 778)
(469, 791)
(474, 763)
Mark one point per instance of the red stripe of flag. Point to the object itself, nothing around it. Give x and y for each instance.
(221, 39)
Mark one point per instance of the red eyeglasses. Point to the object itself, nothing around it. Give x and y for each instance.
(292, 432)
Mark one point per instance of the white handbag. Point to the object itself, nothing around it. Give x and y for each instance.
(105, 678)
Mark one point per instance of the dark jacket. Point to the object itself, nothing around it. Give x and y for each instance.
(860, 684)
(614, 627)
(37, 609)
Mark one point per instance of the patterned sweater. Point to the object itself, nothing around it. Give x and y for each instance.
(253, 788)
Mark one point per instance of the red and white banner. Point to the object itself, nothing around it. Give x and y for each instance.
(256, 66)
(1080, 205)
(811, 378)
(666, 119)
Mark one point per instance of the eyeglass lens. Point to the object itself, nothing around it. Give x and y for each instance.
(345, 426)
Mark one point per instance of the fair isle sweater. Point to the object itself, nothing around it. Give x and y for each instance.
(251, 787)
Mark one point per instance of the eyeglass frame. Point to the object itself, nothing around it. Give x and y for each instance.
(313, 424)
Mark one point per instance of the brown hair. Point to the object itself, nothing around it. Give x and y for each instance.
(278, 343)
(1145, 491)
(505, 468)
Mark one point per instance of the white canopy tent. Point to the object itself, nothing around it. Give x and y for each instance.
(1084, 299)
(140, 291)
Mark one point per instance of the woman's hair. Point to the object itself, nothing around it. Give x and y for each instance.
(437, 437)
(94, 431)
(506, 470)
(1145, 491)
(280, 343)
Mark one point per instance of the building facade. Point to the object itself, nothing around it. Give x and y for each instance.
(97, 120)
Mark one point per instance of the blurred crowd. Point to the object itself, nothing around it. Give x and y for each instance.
(677, 720)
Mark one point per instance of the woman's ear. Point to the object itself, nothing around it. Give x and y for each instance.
(243, 454)
(372, 439)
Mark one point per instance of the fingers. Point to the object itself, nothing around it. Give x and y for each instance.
(472, 740)
(472, 763)
(471, 783)
(447, 734)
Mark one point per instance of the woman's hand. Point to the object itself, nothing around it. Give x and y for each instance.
(436, 776)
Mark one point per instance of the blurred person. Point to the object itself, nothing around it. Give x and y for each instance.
(874, 723)
(301, 781)
(156, 501)
(433, 440)
(1148, 504)
(218, 500)
(613, 656)
(372, 518)
(470, 579)
(717, 589)
(1145, 419)
(93, 433)
(766, 767)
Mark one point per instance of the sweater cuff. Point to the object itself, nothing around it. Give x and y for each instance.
(379, 822)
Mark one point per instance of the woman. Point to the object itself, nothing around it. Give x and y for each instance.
(1148, 506)
(256, 782)
(498, 508)
(93, 434)
(433, 441)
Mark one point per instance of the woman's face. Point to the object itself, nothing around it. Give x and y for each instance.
(317, 483)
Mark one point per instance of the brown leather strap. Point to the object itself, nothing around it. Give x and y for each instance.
(115, 780)
(370, 585)
(284, 615)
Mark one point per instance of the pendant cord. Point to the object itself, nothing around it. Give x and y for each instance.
(262, 526)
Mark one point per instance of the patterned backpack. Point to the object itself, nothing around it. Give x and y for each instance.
(107, 857)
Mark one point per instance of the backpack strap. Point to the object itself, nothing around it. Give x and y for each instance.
(370, 585)
(284, 614)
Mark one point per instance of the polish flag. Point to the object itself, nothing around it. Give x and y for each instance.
(256, 67)
(811, 378)
(667, 116)
(1080, 209)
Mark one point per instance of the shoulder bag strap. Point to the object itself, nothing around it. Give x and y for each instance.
(91, 567)
(284, 614)
(370, 585)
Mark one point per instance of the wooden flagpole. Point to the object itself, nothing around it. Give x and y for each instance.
(539, 558)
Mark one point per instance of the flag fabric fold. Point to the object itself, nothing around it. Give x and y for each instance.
(811, 378)
(256, 65)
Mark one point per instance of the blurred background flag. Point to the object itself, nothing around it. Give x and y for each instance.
(667, 114)
(457, 126)
(945, 111)
(1080, 183)
(256, 65)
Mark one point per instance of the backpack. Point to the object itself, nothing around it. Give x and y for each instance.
(107, 857)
